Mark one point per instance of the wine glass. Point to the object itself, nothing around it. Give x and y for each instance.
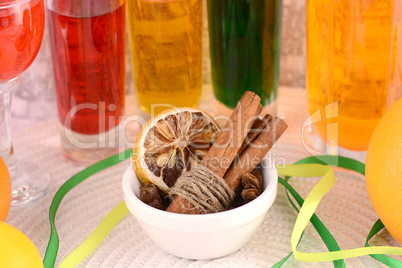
(21, 31)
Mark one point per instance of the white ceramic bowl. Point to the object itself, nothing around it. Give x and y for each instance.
(201, 236)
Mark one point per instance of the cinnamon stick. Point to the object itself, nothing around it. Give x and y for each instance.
(245, 163)
(258, 126)
(229, 141)
(255, 152)
(220, 157)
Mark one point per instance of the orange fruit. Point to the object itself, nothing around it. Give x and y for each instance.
(170, 143)
(5, 190)
(384, 170)
(16, 250)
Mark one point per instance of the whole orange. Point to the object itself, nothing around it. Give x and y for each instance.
(5, 190)
(384, 170)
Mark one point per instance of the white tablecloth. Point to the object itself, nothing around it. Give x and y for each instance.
(346, 210)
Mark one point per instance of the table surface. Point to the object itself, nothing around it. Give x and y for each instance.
(346, 210)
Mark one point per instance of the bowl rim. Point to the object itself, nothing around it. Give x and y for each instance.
(255, 205)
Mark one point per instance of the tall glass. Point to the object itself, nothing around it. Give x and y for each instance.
(349, 44)
(395, 72)
(166, 49)
(245, 48)
(21, 32)
(88, 51)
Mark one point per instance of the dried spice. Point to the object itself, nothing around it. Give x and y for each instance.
(234, 154)
(252, 185)
(149, 194)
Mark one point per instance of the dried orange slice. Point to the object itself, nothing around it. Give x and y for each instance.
(171, 143)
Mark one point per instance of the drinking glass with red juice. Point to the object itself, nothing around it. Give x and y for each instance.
(88, 50)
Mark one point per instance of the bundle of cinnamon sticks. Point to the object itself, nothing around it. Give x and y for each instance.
(240, 147)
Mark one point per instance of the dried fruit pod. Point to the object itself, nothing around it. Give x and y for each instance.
(252, 185)
(149, 195)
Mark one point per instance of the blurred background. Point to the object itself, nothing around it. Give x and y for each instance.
(34, 99)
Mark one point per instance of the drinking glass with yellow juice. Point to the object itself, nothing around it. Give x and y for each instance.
(166, 49)
(350, 52)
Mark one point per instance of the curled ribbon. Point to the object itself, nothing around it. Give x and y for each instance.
(308, 167)
(308, 209)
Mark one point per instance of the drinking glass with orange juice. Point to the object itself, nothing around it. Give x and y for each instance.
(350, 52)
(166, 49)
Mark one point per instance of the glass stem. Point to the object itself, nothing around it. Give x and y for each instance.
(6, 146)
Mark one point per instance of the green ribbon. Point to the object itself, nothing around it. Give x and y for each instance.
(349, 164)
(326, 236)
(307, 211)
(378, 226)
(53, 245)
(311, 166)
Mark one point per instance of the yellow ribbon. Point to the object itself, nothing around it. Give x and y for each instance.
(308, 209)
(96, 237)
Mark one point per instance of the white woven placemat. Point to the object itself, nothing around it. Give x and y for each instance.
(346, 210)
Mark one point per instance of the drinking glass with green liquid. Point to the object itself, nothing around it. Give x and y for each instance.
(245, 47)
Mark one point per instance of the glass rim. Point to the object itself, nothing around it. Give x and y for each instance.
(11, 3)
